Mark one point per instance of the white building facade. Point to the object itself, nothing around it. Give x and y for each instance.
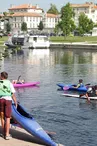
(88, 8)
(32, 15)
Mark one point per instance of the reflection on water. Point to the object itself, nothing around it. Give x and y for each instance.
(58, 56)
(74, 56)
(39, 57)
(73, 63)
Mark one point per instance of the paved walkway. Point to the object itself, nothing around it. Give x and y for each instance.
(19, 138)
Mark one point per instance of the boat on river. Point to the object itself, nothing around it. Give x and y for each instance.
(71, 87)
(27, 121)
(9, 43)
(26, 84)
(37, 41)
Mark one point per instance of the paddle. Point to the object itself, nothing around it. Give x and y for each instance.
(66, 88)
(20, 81)
(18, 78)
(87, 84)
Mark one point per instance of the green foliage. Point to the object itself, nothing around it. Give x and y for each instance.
(72, 26)
(58, 27)
(6, 16)
(5, 13)
(11, 13)
(24, 26)
(67, 24)
(67, 10)
(85, 24)
(1, 19)
(40, 26)
(53, 9)
(69, 39)
(8, 27)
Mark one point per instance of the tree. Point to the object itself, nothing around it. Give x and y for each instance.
(67, 24)
(24, 26)
(40, 26)
(0, 17)
(5, 19)
(6, 16)
(8, 27)
(85, 24)
(58, 27)
(53, 9)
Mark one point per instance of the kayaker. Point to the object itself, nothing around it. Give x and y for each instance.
(80, 84)
(18, 81)
(91, 92)
(7, 93)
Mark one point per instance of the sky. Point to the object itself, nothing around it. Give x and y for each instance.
(44, 4)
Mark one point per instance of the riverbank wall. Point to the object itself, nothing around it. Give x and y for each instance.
(77, 45)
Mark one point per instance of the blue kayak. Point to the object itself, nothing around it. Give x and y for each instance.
(26, 121)
(71, 87)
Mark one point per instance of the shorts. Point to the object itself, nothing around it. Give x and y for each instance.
(5, 107)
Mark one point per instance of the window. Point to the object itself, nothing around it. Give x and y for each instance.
(21, 18)
(35, 39)
(30, 25)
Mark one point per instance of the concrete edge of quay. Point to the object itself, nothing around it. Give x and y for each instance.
(19, 138)
(77, 45)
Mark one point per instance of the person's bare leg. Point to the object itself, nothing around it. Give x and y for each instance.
(2, 123)
(7, 127)
(2, 119)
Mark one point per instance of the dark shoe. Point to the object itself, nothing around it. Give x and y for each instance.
(1, 135)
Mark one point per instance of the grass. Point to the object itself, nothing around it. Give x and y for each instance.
(92, 39)
(2, 40)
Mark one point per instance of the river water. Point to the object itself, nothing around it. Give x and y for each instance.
(74, 120)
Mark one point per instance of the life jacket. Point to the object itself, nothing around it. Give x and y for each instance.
(80, 85)
(5, 88)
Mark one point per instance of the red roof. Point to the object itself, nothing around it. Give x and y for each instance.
(51, 15)
(25, 6)
(22, 14)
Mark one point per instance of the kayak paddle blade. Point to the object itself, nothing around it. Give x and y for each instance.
(65, 88)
